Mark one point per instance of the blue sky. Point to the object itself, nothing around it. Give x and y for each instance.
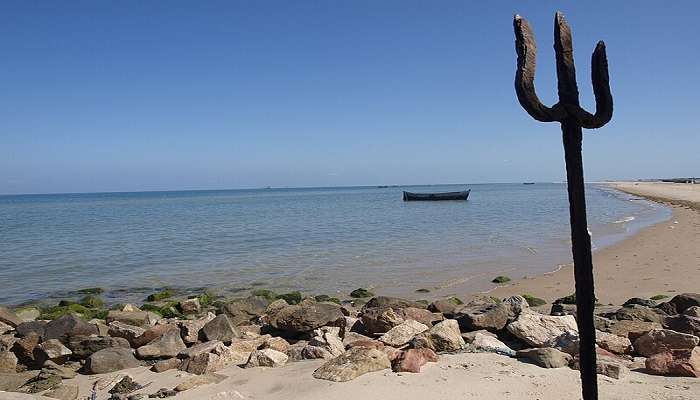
(157, 95)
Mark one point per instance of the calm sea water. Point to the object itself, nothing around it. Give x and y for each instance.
(323, 240)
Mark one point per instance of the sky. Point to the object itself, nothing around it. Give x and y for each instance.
(172, 95)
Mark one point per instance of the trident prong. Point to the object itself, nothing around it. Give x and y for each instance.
(572, 118)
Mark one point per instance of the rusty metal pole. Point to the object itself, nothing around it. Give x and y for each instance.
(572, 118)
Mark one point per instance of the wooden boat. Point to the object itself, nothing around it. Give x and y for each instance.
(409, 196)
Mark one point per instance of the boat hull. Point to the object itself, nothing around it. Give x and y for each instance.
(409, 196)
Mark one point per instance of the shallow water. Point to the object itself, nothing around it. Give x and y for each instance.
(320, 240)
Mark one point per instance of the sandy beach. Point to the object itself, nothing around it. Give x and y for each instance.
(662, 259)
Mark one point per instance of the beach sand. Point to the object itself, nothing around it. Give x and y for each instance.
(661, 259)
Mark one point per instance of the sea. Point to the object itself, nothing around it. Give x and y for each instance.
(316, 240)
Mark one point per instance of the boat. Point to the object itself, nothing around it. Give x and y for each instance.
(409, 196)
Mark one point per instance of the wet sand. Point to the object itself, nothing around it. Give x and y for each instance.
(661, 259)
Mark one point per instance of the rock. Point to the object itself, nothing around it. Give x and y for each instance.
(125, 331)
(196, 381)
(277, 343)
(351, 337)
(351, 364)
(63, 392)
(24, 349)
(7, 341)
(53, 350)
(83, 346)
(110, 360)
(189, 329)
(31, 328)
(51, 368)
(540, 330)
(276, 306)
(142, 319)
(8, 362)
(244, 311)
(662, 340)
(220, 328)
(490, 344)
(683, 323)
(421, 315)
(4, 328)
(684, 362)
(310, 352)
(167, 364)
(206, 347)
(380, 320)
(692, 311)
(446, 307)
(28, 314)
(636, 312)
(68, 325)
(560, 309)
(640, 301)
(13, 381)
(40, 384)
(471, 336)
(607, 367)
(166, 346)
(102, 328)
(191, 306)
(516, 305)
(412, 360)
(546, 357)
(684, 301)
(248, 345)
(632, 329)
(328, 339)
(305, 317)
(9, 317)
(219, 358)
(392, 302)
(266, 358)
(154, 333)
(613, 343)
(403, 333)
(443, 336)
(125, 386)
(492, 317)
(163, 393)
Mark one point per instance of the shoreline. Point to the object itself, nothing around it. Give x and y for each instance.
(657, 260)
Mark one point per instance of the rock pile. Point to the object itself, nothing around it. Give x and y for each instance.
(385, 333)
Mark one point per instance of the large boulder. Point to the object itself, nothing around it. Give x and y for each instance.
(613, 343)
(446, 307)
(31, 328)
(219, 358)
(125, 331)
(631, 329)
(220, 328)
(683, 323)
(412, 360)
(353, 363)
(200, 348)
(325, 339)
(492, 317)
(24, 347)
(53, 350)
(166, 346)
(636, 312)
(443, 336)
(110, 360)
(266, 358)
(189, 329)
(9, 317)
(244, 311)
(675, 362)
(485, 341)
(154, 333)
(546, 357)
(403, 333)
(306, 316)
(685, 301)
(66, 326)
(83, 346)
(393, 302)
(661, 340)
(540, 330)
(380, 320)
(142, 319)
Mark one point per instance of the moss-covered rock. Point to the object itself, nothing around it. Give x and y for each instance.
(95, 290)
(533, 301)
(422, 290)
(361, 293)
(659, 297)
(266, 293)
(291, 297)
(92, 301)
(455, 300)
(501, 279)
(58, 311)
(162, 295)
